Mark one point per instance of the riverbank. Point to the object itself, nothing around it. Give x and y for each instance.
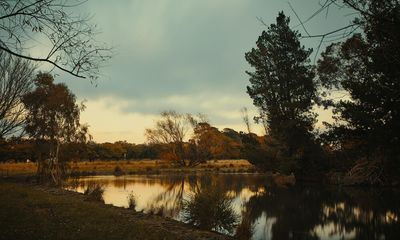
(30, 211)
(123, 167)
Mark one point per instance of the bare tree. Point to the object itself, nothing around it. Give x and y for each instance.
(66, 40)
(360, 9)
(245, 118)
(336, 34)
(16, 78)
(263, 119)
(171, 129)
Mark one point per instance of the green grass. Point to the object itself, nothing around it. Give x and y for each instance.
(35, 212)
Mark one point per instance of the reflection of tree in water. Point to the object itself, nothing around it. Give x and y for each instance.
(370, 214)
(169, 202)
(300, 212)
(210, 208)
(296, 212)
(177, 187)
(245, 229)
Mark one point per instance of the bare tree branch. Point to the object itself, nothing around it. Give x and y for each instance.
(67, 39)
(16, 78)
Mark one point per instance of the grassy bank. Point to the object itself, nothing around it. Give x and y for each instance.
(38, 212)
(129, 167)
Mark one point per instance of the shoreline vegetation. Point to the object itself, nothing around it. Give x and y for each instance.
(43, 212)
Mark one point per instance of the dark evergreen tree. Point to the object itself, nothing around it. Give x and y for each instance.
(283, 88)
(367, 66)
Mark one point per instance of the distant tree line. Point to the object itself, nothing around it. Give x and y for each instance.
(23, 149)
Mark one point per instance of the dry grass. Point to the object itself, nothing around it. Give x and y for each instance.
(10, 169)
(231, 164)
(131, 166)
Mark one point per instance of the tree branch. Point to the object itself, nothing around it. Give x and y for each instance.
(41, 60)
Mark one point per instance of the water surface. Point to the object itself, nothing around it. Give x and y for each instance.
(250, 205)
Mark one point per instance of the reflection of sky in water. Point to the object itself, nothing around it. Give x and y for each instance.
(269, 211)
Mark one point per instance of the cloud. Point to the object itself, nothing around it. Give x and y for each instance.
(219, 109)
(184, 55)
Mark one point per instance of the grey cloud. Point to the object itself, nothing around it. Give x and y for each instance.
(181, 48)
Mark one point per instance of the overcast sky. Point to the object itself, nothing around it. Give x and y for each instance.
(183, 55)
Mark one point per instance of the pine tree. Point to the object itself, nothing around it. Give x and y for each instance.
(283, 88)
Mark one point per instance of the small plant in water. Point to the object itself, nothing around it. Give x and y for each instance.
(94, 192)
(131, 201)
(210, 209)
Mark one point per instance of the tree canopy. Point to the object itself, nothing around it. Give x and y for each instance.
(283, 87)
(366, 66)
(52, 118)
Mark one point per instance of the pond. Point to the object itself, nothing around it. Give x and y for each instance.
(249, 205)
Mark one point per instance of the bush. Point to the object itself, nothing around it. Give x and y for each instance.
(131, 201)
(94, 192)
(118, 171)
(210, 209)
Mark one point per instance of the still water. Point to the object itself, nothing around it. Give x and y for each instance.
(249, 205)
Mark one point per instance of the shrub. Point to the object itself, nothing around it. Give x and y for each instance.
(94, 191)
(131, 201)
(118, 171)
(210, 209)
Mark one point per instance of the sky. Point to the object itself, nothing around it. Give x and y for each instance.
(183, 55)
